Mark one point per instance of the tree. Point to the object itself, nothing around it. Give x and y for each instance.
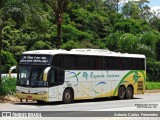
(112, 41)
(7, 61)
(155, 22)
(144, 8)
(70, 45)
(149, 39)
(127, 43)
(131, 10)
(145, 50)
(2, 16)
(58, 7)
(28, 16)
(19, 11)
(40, 45)
(113, 5)
(130, 25)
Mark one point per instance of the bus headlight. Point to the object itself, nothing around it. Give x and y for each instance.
(42, 92)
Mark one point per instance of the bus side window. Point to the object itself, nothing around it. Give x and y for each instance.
(52, 77)
(60, 77)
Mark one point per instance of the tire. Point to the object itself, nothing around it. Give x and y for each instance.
(67, 96)
(121, 93)
(129, 93)
(40, 102)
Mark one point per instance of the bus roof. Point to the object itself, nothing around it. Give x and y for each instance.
(94, 52)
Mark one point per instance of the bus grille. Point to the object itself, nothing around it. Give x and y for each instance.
(140, 85)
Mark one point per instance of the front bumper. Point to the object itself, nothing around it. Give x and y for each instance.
(43, 97)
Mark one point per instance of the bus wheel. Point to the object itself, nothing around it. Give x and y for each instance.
(121, 93)
(129, 93)
(67, 96)
(40, 102)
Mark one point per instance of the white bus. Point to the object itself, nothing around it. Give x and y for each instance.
(60, 75)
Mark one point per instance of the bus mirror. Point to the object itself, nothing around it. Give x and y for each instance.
(45, 74)
(11, 69)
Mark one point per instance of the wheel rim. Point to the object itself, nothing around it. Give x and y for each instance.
(122, 92)
(67, 97)
(129, 92)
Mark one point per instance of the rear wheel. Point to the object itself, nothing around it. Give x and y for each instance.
(67, 96)
(121, 93)
(129, 93)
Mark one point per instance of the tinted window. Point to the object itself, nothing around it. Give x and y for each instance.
(58, 61)
(84, 63)
(70, 62)
(142, 64)
(96, 63)
(52, 77)
(56, 77)
(134, 64)
(118, 63)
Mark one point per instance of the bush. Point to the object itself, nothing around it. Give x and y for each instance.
(8, 86)
(153, 71)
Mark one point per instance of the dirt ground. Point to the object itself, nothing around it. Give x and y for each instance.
(152, 91)
(9, 99)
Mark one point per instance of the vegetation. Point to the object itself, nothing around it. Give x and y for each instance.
(106, 24)
(152, 85)
(8, 86)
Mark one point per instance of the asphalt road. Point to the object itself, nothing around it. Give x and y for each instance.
(142, 102)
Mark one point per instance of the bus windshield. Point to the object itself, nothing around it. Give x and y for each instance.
(31, 76)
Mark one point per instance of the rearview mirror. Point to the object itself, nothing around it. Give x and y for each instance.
(45, 74)
(11, 69)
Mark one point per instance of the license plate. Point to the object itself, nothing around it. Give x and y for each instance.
(29, 97)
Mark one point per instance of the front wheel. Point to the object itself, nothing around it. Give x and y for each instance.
(129, 93)
(121, 93)
(67, 96)
(40, 102)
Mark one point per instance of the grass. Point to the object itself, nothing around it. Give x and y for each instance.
(152, 85)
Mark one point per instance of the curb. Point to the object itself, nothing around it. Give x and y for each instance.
(152, 91)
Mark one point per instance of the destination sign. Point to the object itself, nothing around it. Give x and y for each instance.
(35, 59)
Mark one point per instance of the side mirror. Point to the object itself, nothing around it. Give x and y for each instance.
(11, 69)
(45, 74)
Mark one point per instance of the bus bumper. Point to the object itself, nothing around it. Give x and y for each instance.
(43, 97)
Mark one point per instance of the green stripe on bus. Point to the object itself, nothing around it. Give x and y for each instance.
(129, 73)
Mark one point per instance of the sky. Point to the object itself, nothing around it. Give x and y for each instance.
(155, 5)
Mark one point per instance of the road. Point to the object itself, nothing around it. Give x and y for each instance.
(142, 102)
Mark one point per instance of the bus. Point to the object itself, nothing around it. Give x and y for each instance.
(61, 75)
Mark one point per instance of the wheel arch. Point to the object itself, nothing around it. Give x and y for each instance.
(122, 86)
